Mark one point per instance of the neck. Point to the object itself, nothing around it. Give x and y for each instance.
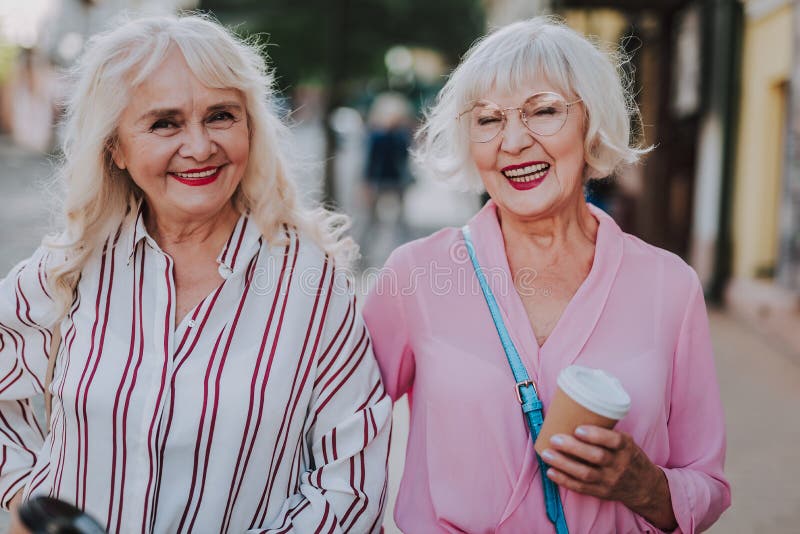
(570, 227)
(172, 232)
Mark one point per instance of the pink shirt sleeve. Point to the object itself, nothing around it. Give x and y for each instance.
(696, 426)
(386, 317)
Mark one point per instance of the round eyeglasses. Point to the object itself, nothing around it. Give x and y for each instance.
(542, 113)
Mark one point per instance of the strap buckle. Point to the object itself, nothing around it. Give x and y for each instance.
(522, 384)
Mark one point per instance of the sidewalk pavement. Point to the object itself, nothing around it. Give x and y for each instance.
(760, 387)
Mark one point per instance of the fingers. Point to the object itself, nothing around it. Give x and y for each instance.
(597, 435)
(598, 462)
(576, 485)
(581, 465)
(580, 450)
(570, 466)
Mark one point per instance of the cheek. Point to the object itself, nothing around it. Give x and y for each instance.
(149, 159)
(483, 155)
(236, 143)
(568, 154)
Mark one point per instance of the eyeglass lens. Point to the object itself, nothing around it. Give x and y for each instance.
(543, 114)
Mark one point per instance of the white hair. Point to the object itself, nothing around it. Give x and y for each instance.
(97, 195)
(510, 58)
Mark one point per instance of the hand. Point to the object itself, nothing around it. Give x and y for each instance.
(610, 465)
(16, 526)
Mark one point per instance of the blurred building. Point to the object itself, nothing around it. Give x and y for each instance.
(44, 38)
(71, 22)
(502, 12)
(718, 85)
(765, 210)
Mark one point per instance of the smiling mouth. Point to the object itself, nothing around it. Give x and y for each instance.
(197, 177)
(199, 174)
(526, 173)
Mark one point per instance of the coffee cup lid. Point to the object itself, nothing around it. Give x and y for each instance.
(595, 390)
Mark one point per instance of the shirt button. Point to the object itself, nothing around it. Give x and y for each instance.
(191, 323)
(225, 271)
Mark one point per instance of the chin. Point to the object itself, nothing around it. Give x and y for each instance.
(201, 207)
(523, 205)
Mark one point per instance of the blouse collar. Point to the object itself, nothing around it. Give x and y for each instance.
(233, 257)
(584, 309)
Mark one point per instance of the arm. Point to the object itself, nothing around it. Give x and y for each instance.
(15, 523)
(347, 433)
(27, 314)
(385, 316)
(694, 470)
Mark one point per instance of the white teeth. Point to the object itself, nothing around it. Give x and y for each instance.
(522, 171)
(527, 174)
(196, 174)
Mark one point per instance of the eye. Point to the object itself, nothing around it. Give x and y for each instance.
(221, 116)
(221, 119)
(545, 111)
(483, 121)
(163, 124)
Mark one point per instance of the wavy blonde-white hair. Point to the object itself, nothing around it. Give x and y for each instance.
(510, 58)
(97, 195)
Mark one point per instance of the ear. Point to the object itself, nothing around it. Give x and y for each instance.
(116, 154)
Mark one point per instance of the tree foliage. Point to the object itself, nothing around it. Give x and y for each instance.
(332, 41)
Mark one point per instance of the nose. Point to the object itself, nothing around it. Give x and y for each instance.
(516, 136)
(197, 143)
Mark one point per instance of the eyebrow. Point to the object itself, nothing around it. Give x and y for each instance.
(160, 113)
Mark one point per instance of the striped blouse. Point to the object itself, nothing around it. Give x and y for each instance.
(262, 411)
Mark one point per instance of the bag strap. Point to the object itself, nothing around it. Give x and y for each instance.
(525, 389)
(55, 345)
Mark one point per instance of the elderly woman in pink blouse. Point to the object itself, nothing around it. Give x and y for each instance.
(213, 374)
(533, 112)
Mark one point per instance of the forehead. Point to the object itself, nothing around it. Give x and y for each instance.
(173, 85)
(508, 96)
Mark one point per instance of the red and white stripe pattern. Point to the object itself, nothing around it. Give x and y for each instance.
(262, 411)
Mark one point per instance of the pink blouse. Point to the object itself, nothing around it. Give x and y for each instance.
(470, 464)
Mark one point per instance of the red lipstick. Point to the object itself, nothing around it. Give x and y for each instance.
(194, 182)
(523, 182)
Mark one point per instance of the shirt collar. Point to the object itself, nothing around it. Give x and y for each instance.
(138, 231)
(237, 250)
(244, 240)
(486, 225)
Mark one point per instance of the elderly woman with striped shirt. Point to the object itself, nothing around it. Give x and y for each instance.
(213, 373)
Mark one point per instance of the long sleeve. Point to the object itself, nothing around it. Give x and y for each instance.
(696, 426)
(27, 314)
(348, 429)
(385, 316)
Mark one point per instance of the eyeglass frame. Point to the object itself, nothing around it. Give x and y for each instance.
(522, 117)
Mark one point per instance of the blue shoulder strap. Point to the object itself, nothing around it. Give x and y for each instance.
(525, 389)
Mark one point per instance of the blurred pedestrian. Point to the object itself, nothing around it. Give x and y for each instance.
(388, 139)
(33, 88)
(210, 371)
(534, 111)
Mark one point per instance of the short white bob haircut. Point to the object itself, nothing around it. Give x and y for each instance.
(511, 58)
(97, 196)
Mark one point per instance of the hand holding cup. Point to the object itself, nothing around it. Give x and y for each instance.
(587, 456)
(584, 397)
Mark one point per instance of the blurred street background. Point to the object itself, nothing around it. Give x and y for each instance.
(718, 83)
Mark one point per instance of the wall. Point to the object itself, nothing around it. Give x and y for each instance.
(762, 124)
